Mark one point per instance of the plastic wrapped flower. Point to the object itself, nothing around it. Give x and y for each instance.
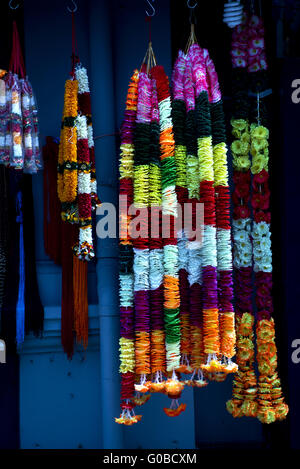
(258, 165)
(260, 178)
(260, 132)
(240, 236)
(241, 163)
(259, 143)
(239, 62)
(281, 411)
(239, 124)
(265, 330)
(246, 324)
(237, 133)
(238, 52)
(254, 67)
(254, 51)
(245, 350)
(258, 43)
(245, 137)
(242, 211)
(239, 147)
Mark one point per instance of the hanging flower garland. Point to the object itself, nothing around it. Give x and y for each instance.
(77, 192)
(179, 124)
(244, 383)
(207, 197)
(126, 277)
(268, 403)
(224, 255)
(141, 266)
(67, 177)
(194, 263)
(173, 386)
(156, 254)
(76, 160)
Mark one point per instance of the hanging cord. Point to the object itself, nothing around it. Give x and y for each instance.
(16, 64)
(258, 108)
(193, 21)
(149, 59)
(74, 57)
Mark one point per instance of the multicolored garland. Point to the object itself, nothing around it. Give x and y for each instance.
(251, 232)
(161, 272)
(76, 162)
(173, 387)
(126, 276)
(179, 124)
(77, 192)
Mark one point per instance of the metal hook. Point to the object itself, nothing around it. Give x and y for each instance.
(152, 7)
(189, 6)
(74, 9)
(11, 7)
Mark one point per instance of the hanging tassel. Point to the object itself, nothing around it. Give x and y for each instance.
(69, 236)
(80, 271)
(20, 309)
(52, 207)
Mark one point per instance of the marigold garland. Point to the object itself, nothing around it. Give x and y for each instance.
(67, 154)
(77, 192)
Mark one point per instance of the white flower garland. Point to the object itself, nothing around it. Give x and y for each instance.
(209, 246)
(141, 269)
(165, 119)
(156, 262)
(126, 290)
(224, 249)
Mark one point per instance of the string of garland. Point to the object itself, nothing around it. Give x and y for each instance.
(179, 124)
(254, 226)
(193, 246)
(173, 387)
(224, 255)
(244, 383)
(77, 192)
(126, 277)
(156, 255)
(207, 197)
(141, 264)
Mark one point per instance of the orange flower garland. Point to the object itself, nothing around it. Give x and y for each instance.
(67, 155)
